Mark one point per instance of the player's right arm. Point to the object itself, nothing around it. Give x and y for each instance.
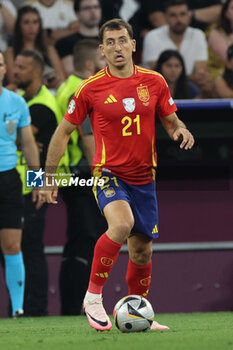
(56, 150)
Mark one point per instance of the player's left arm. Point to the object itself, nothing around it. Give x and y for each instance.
(177, 130)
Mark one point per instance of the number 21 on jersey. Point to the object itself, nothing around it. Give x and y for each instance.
(128, 121)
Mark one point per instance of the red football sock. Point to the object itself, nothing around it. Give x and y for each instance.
(105, 254)
(138, 278)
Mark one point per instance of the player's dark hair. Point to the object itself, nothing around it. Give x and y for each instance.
(77, 5)
(170, 3)
(224, 22)
(115, 24)
(182, 89)
(84, 50)
(36, 57)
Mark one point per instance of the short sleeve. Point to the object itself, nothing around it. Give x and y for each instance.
(166, 104)
(78, 107)
(25, 118)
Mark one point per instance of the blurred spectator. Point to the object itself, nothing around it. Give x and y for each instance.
(83, 216)
(224, 84)
(220, 37)
(7, 22)
(155, 13)
(28, 35)
(150, 12)
(177, 35)
(171, 65)
(143, 15)
(45, 115)
(190, 42)
(87, 61)
(89, 14)
(203, 13)
(58, 18)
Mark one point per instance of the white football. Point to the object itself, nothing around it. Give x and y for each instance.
(133, 313)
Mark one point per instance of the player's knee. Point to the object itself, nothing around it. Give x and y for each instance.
(141, 256)
(11, 248)
(122, 229)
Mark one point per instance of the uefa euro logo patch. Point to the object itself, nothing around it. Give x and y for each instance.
(35, 178)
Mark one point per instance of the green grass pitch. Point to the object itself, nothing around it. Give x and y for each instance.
(199, 331)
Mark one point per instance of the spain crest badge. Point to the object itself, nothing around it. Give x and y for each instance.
(143, 94)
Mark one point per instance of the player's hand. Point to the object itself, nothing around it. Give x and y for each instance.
(48, 196)
(186, 137)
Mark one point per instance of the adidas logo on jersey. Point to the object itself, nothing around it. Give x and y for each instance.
(155, 229)
(110, 99)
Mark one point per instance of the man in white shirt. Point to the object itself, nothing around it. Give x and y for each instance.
(177, 35)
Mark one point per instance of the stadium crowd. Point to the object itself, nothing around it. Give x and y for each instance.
(200, 31)
(189, 42)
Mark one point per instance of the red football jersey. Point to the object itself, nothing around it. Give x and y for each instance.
(122, 114)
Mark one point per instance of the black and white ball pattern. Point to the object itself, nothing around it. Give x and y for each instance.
(133, 313)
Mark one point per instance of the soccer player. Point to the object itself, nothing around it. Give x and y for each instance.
(15, 119)
(121, 101)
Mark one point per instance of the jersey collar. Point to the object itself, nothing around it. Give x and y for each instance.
(110, 75)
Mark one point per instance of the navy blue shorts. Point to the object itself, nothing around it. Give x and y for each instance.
(141, 198)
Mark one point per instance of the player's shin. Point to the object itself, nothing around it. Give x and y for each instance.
(105, 254)
(138, 278)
